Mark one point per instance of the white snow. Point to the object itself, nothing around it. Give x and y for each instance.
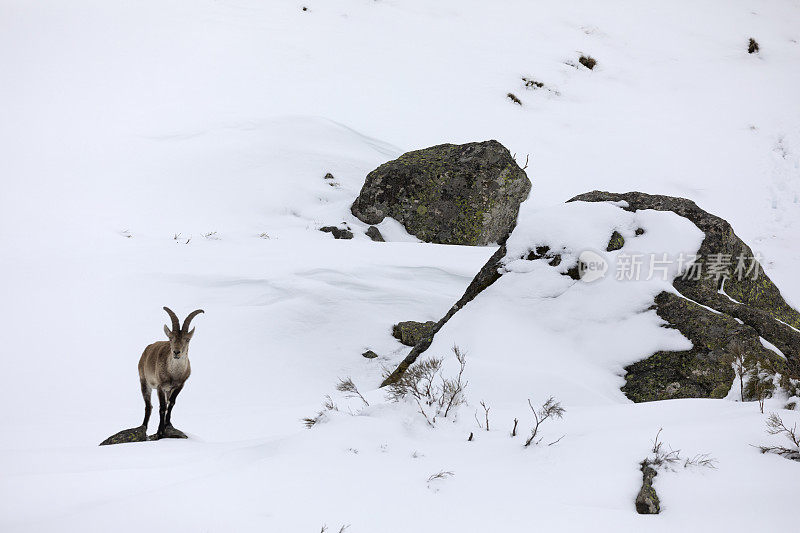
(128, 129)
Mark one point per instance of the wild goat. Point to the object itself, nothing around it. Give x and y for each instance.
(164, 366)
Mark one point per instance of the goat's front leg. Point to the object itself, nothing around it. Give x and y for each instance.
(162, 412)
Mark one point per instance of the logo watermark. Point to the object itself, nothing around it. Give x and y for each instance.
(593, 266)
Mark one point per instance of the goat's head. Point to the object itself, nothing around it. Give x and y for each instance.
(178, 336)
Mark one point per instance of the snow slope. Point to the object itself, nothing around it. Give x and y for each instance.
(125, 124)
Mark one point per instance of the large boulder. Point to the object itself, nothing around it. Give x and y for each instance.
(448, 194)
(719, 315)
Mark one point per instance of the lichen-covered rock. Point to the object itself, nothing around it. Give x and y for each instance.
(702, 372)
(616, 242)
(138, 434)
(448, 194)
(412, 333)
(647, 501)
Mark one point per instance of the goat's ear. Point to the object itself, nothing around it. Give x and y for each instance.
(189, 335)
(168, 332)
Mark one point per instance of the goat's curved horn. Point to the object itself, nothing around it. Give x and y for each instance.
(189, 320)
(176, 324)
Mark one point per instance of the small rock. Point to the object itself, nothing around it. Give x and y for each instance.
(375, 234)
(411, 333)
(588, 62)
(338, 233)
(616, 242)
(369, 354)
(752, 47)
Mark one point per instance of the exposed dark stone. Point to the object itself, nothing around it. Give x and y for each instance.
(374, 234)
(369, 354)
(647, 501)
(138, 434)
(616, 242)
(412, 333)
(574, 272)
(587, 61)
(329, 176)
(338, 233)
(447, 194)
(639, 231)
(752, 46)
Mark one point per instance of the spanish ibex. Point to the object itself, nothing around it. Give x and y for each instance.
(164, 366)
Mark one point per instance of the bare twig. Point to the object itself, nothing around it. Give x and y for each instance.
(327, 405)
(486, 413)
(514, 429)
(434, 394)
(660, 457)
(477, 420)
(444, 474)
(347, 386)
(550, 409)
(776, 426)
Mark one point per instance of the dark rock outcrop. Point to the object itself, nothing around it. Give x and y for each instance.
(702, 372)
(448, 194)
(369, 354)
